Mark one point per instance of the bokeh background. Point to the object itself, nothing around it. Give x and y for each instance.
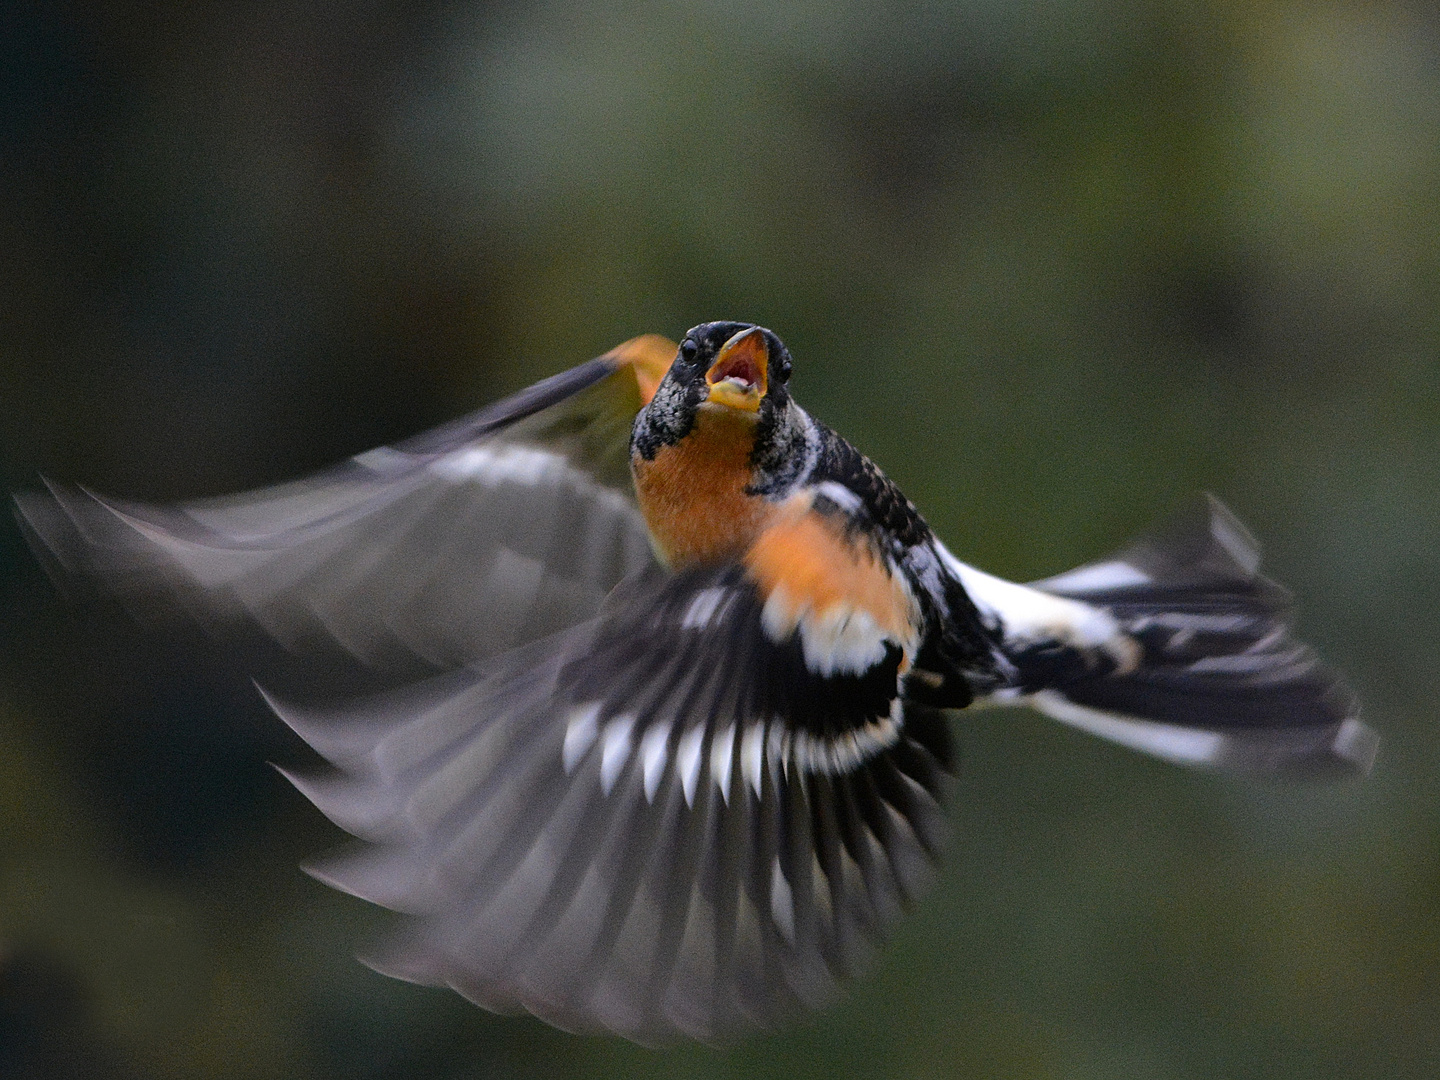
(1055, 265)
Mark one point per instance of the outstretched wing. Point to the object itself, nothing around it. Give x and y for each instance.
(483, 534)
(1179, 647)
(693, 814)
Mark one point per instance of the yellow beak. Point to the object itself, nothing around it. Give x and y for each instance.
(739, 376)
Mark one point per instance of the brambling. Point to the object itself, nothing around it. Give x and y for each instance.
(681, 755)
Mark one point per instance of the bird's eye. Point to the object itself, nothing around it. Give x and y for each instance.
(688, 350)
(782, 369)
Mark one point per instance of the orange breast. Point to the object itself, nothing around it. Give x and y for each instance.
(693, 493)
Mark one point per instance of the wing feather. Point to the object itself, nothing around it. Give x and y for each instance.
(484, 534)
(563, 852)
(1179, 647)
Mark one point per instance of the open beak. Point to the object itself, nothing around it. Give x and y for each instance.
(739, 376)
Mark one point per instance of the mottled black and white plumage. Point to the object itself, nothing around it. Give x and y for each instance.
(678, 757)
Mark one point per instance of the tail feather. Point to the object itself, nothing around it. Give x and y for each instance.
(1219, 679)
(1204, 551)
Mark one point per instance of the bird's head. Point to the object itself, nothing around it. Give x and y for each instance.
(731, 372)
(741, 365)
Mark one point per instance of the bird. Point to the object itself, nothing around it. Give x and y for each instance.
(668, 744)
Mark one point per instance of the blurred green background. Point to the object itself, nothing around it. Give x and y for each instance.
(1055, 265)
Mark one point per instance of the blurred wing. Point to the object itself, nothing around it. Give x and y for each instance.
(662, 822)
(1215, 676)
(480, 535)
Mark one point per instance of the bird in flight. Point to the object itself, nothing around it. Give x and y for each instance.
(678, 750)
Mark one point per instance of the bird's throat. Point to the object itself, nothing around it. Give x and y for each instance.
(693, 492)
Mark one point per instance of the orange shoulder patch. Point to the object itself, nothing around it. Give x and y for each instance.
(834, 588)
(649, 356)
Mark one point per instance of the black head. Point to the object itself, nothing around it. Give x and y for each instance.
(734, 368)
(741, 363)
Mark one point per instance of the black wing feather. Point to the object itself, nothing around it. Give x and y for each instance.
(1218, 657)
(658, 885)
